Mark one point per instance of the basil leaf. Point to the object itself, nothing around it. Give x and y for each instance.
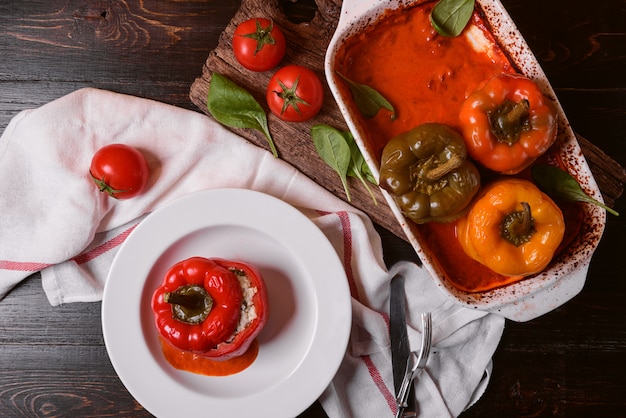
(368, 100)
(560, 185)
(367, 173)
(449, 17)
(358, 166)
(334, 150)
(233, 106)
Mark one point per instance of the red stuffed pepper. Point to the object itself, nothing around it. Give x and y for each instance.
(212, 307)
(508, 123)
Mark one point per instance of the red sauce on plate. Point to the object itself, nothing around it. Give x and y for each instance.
(190, 362)
(427, 77)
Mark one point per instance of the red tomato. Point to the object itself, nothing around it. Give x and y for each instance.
(295, 93)
(258, 44)
(119, 170)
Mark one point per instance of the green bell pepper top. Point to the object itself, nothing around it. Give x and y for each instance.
(427, 172)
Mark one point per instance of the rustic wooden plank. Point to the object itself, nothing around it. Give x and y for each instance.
(558, 396)
(307, 44)
(608, 173)
(148, 49)
(40, 393)
(43, 324)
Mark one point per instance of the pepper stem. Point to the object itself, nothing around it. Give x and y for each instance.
(438, 172)
(191, 304)
(191, 301)
(518, 227)
(509, 120)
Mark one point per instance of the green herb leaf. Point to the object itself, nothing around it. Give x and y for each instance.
(233, 106)
(560, 185)
(449, 17)
(368, 100)
(358, 167)
(332, 147)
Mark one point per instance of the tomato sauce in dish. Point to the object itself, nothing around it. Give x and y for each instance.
(190, 362)
(426, 77)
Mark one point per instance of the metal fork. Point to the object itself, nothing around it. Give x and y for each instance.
(414, 366)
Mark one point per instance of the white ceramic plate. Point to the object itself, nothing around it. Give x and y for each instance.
(304, 341)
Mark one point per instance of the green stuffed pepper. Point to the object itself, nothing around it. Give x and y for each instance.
(428, 174)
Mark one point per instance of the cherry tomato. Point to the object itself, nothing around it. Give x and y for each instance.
(295, 93)
(258, 44)
(119, 170)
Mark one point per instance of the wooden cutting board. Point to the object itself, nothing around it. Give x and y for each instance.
(306, 45)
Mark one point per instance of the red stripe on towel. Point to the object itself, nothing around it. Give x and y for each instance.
(22, 266)
(367, 360)
(380, 383)
(30, 266)
(104, 247)
(346, 228)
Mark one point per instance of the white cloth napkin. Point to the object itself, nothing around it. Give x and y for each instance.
(54, 220)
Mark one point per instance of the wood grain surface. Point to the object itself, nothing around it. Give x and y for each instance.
(53, 361)
(306, 45)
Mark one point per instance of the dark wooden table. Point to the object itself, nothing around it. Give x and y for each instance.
(53, 362)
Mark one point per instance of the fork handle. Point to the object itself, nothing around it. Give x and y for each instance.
(403, 391)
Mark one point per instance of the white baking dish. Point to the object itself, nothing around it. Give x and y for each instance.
(566, 275)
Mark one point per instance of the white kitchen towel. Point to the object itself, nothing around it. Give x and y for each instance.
(54, 220)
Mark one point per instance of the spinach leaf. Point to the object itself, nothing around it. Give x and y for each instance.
(334, 150)
(233, 106)
(449, 17)
(358, 166)
(341, 152)
(368, 100)
(560, 185)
